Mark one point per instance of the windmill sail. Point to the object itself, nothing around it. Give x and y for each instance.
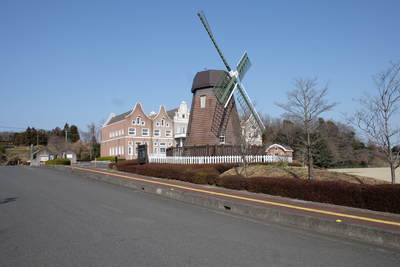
(226, 86)
(208, 29)
(243, 66)
(249, 113)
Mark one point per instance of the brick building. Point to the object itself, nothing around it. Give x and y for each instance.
(121, 134)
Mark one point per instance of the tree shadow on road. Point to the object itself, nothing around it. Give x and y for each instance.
(7, 200)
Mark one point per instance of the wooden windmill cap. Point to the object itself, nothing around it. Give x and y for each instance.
(206, 79)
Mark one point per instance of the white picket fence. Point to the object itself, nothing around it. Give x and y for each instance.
(217, 159)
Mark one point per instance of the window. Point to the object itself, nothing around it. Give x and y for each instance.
(130, 150)
(183, 130)
(155, 150)
(167, 124)
(168, 133)
(138, 121)
(157, 132)
(145, 132)
(162, 149)
(162, 122)
(222, 139)
(169, 144)
(155, 144)
(158, 124)
(202, 101)
(183, 116)
(162, 144)
(132, 131)
(122, 131)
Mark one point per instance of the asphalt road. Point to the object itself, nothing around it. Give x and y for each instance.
(49, 218)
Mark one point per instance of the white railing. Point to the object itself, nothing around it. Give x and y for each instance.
(218, 159)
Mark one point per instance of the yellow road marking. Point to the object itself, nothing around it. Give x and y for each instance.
(245, 198)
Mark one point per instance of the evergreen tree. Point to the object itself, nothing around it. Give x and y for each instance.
(74, 134)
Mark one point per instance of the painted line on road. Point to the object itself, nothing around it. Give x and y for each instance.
(244, 198)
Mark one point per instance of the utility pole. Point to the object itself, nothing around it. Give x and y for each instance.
(66, 136)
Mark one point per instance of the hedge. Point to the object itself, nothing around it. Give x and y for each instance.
(58, 162)
(384, 197)
(112, 159)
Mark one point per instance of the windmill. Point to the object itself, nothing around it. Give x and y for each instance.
(220, 117)
(229, 84)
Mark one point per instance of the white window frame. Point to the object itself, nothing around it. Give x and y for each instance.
(163, 144)
(147, 129)
(168, 133)
(222, 139)
(163, 150)
(134, 131)
(155, 144)
(202, 101)
(157, 130)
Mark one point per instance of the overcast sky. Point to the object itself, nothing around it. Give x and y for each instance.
(78, 61)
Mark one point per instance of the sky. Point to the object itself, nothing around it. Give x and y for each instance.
(78, 61)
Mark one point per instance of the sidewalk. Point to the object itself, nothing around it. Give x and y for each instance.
(376, 227)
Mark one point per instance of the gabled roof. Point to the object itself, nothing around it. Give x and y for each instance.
(122, 116)
(116, 118)
(171, 113)
(161, 113)
(284, 147)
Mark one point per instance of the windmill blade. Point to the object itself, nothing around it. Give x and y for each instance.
(249, 112)
(223, 89)
(243, 66)
(208, 29)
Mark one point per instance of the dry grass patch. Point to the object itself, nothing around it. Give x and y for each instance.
(273, 171)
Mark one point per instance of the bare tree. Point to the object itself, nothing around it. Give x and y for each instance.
(91, 136)
(377, 116)
(304, 105)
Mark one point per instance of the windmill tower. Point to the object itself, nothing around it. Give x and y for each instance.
(215, 117)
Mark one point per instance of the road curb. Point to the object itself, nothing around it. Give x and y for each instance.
(381, 237)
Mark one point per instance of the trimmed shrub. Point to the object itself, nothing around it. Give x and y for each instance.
(190, 173)
(384, 198)
(58, 162)
(112, 159)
